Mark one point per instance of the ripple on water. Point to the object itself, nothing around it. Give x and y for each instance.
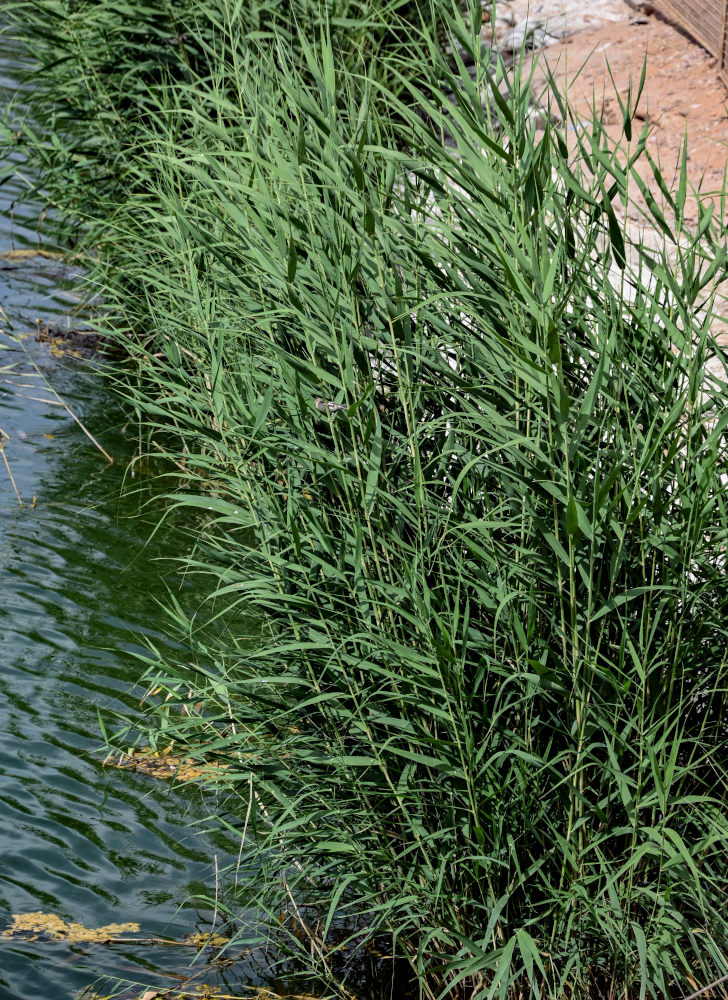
(94, 845)
(77, 580)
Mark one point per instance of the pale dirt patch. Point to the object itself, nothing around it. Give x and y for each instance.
(568, 16)
(683, 91)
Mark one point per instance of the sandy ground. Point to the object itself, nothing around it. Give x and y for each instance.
(584, 41)
(684, 93)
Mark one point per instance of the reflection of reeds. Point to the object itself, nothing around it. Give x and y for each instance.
(457, 464)
(3, 438)
(56, 400)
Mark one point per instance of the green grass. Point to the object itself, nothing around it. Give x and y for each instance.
(465, 648)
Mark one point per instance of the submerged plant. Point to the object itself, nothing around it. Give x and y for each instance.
(459, 447)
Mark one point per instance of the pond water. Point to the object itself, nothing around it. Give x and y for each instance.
(78, 582)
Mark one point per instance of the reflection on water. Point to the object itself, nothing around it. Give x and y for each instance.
(77, 580)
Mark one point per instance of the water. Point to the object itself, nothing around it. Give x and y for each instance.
(77, 585)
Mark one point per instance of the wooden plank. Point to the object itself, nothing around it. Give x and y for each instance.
(703, 20)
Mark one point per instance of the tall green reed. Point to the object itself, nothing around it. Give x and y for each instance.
(460, 464)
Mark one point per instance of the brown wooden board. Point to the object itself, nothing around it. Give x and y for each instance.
(703, 20)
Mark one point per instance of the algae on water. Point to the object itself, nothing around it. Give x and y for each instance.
(33, 926)
(165, 765)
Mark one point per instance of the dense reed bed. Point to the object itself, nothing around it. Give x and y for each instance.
(459, 466)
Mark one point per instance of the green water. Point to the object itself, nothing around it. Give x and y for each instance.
(78, 583)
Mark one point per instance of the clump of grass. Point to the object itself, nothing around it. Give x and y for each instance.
(461, 464)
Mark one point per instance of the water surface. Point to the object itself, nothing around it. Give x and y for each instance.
(78, 585)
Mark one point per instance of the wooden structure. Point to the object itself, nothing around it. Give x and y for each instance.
(705, 20)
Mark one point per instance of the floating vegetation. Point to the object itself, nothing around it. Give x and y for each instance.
(39, 926)
(48, 926)
(29, 254)
(200, 940)
(49, 332)
(58, 349)
(201, 991)
(165, 765)
(76, 342)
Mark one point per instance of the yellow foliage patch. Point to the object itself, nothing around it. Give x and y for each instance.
(59, 349)
(29, 254)
(205, 940)
(32, 926)
(165, 764)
